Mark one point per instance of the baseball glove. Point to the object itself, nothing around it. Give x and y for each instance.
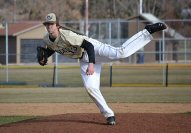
(42, 55)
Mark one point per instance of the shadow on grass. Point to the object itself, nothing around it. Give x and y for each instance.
(5, 120)
(49, 119)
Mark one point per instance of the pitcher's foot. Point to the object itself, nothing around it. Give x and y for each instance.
(111, 120)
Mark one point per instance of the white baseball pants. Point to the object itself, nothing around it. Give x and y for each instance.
(107, 53)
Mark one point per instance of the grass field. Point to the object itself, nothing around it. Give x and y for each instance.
(79, 95)
(113, 94)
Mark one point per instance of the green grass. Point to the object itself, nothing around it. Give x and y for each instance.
(12, 119)
(113, 94)
(69, 76)
(188, 113)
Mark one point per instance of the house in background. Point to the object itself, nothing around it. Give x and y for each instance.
(22, 38)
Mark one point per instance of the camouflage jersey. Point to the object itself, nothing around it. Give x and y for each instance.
(67, 43)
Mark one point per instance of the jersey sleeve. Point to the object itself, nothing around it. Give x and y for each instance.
(90, 50)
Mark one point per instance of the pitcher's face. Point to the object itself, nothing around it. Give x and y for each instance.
(52, 29)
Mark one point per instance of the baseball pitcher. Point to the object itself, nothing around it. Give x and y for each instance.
(92, 54)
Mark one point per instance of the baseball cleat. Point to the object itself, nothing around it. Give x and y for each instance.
(151, 28)
(111, 120)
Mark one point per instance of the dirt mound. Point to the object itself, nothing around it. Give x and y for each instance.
(95, 123)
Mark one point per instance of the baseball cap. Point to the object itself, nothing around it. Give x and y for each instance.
(50, 18)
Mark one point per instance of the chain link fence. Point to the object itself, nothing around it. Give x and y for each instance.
(166, 48)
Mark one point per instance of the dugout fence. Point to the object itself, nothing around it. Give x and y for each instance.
(112, 75)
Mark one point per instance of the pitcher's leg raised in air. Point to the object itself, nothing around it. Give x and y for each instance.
(106, 52)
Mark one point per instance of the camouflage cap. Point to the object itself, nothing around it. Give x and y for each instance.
(50, 18)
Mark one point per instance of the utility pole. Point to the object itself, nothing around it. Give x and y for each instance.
(140, 6)
(15, 11)
(86, 17)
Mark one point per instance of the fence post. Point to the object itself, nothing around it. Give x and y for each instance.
(166, 78)
(110, 81)
(7, 52)
(53, 81)
(110, 63)
(185, 51)
(55, 71)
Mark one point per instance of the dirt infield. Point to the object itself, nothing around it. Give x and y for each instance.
(85, 118)
(95, 123)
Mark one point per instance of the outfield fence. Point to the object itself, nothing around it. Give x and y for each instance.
(112, 75)
(165, 61)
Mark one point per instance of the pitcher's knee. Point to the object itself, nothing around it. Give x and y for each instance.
(121, 53)
(91, 90)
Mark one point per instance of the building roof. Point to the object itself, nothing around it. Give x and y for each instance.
(19, 28)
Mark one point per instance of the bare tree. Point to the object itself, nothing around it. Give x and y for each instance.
(74, 9)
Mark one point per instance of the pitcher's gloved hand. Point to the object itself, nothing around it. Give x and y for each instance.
(42, 55)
